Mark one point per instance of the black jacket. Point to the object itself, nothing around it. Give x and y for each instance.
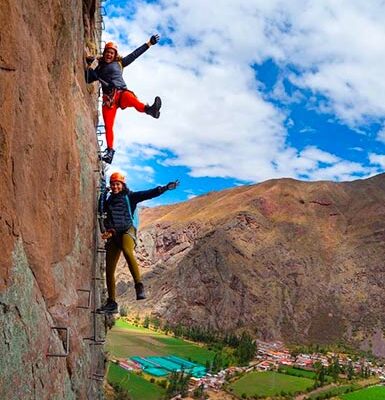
(116, 206)
(111, 74)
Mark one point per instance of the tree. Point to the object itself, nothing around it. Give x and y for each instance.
(320, 374)
(166, 328)
(178, 330)
(199, 392)
(295, 353)
(246, 349)
(350, 371)
(123, 311)
(218, 361)
(334, 368)
(178, 384)
(155, 323)
(146, 321)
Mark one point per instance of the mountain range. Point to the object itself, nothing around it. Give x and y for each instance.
(297, 261)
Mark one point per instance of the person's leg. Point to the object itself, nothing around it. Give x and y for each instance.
(112, 258)
(128, 246)
(109, 114)
(128, 99)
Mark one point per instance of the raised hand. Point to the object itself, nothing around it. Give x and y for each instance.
(154, 39)
(172, 185)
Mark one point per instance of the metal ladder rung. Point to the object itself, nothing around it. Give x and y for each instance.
(67, 343)
(88, 300)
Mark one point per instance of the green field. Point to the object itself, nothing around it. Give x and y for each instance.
(370, 393)
(125, 340)
(302, 373)
(137, 387)
(269, 383)
(119, 323)
(333, 392)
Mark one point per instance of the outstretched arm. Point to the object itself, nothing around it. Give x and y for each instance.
(137, 197)
(154, 39)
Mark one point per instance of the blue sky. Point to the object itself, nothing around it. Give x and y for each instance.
(251, 90)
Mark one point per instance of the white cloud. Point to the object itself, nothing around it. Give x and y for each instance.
(338, 47)
(356, 148)
(377, 159)
(381, 135)
(318, 155)
(215, 119)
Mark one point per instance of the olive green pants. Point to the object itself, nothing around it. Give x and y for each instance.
(114, 248)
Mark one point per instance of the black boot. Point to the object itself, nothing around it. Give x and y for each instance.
(154, 109)
(108, 155)
(111, 307)
(139, 288)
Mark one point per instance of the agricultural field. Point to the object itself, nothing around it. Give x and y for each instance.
(302, 373)
(370, 393)
(332, 392)
(137, 387)
(125, 340)
(269, 384)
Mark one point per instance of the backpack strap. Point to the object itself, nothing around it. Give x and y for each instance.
(133, 235)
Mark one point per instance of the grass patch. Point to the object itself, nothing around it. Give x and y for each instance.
(332, 392)
(370, 393)
(304, 373)
(186, 350)
(270, 383)
(137, 387)
(120, 323)
(125, 340)
(171, 341)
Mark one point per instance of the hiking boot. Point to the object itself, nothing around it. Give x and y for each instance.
(111, 307)
(154, 109)
(139, 288)
(108, 155)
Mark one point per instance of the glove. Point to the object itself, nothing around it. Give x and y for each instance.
(172, 185)
(108, 234)
(90, 60)
(154, 39)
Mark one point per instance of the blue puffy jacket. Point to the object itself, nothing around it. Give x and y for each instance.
(116, 207)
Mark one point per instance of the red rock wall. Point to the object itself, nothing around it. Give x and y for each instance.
(48, 189)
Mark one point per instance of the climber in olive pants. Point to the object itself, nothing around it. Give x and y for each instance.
(119, 230)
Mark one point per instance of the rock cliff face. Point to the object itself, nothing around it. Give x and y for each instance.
(302, 262)
(48, 159)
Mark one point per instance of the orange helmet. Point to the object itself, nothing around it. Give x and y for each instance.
(117, 176)
(111, 45)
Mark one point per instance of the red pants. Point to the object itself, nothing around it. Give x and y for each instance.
(122, 99)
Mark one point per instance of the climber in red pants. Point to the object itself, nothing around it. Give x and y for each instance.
(115, 93)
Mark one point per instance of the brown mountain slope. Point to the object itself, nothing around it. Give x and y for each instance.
(292, 260)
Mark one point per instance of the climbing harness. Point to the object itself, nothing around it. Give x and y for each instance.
(109, 99)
